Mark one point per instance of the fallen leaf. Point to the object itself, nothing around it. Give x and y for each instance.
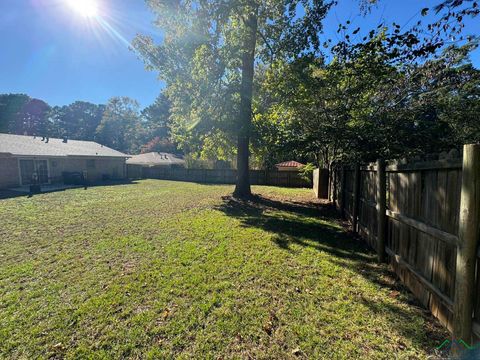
(394, 294)
(165, 313)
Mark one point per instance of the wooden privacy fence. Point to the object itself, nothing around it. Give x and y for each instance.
(219, 176)
(425, 218)
(320, 183)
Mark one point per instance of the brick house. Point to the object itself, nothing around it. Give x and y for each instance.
(23, 157)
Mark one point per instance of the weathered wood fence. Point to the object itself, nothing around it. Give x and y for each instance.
(320, 183)
(423, 217)
(219, 176)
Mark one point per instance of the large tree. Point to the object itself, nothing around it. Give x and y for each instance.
(361, 107)
(120, 127)
(23, 115)
(209, 54)
(78, 120)
(11, 106)
(156, 118)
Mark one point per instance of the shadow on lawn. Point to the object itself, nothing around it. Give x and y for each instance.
(8, 193)
(295, 222)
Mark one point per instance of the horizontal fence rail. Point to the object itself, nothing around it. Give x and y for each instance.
(219, 176)
(431, 243)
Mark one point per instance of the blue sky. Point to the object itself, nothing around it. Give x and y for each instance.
(51, 52)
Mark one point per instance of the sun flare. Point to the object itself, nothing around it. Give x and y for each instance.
(86, 8)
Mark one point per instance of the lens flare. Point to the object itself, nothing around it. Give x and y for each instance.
(86, 8)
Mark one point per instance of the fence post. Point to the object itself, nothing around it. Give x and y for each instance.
(356, 197)
(342, 195)
(334, 187)
(468, 233)
(381, 208)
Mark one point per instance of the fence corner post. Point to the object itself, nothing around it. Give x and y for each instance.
(381, 208)
(468, 234)
(356, 197)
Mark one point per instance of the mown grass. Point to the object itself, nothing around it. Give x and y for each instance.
(160, 269)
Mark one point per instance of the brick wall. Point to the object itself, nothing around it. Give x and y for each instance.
(115, 168)
(9, 176)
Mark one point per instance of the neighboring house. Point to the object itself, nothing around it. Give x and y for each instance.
(289, 166)
(155, 159)
(49, 159)
(138, 165)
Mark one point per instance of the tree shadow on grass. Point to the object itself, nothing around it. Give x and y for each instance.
(317, 226)
(297, 223)
(13, 193)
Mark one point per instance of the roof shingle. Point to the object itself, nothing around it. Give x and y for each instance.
(290, 164)
(20, 145)
(155, 159)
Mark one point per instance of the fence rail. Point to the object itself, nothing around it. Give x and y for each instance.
(219, 176)
(428, 226)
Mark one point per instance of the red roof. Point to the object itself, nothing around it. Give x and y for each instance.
(290, 164)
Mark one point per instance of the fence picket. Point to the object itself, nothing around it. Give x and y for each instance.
(431, 229)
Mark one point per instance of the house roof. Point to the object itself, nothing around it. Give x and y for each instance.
(155, 159)
(291, 163)
(19, 145)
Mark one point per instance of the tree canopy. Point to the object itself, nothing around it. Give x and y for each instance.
(120, 124)
(249, 83)
(365, 108)
(21, 114)
(249, 78)
(208, 60)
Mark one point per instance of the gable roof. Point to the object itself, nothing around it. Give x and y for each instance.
(291, 163)
(155, 159)
(20, 145)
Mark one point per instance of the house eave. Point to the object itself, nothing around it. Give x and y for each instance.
(62, 156)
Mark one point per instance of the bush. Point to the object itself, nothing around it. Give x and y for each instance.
(306, 172)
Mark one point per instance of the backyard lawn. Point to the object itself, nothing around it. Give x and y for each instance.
(161, 269)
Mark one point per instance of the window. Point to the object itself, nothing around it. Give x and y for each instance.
(91, 164)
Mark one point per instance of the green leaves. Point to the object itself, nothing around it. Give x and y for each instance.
(120, 127)
(200, 59)
(362, 106)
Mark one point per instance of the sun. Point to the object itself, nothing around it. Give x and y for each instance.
(86, 8)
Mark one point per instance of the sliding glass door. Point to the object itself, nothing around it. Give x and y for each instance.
(30, 167)
(27, 168)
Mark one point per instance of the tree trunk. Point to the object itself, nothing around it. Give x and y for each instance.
(242, 188)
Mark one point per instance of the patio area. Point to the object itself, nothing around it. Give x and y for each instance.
(45, 188)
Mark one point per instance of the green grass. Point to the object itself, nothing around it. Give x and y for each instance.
(160, 269)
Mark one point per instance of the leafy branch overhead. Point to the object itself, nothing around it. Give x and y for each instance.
(426, 38)
(209, 56)
(254, 83)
